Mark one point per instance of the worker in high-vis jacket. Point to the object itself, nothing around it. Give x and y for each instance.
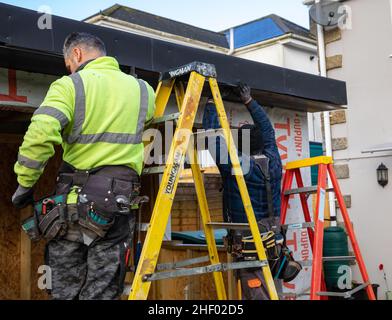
(97, 114)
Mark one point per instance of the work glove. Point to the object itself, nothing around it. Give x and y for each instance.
(244, 93)
(23, 197)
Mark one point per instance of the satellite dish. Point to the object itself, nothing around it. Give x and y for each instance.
(327, 13)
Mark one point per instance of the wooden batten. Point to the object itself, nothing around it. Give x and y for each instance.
(25, 258)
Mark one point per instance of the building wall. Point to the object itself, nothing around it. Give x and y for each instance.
(366, 67)
(300, 59)
(272, 54)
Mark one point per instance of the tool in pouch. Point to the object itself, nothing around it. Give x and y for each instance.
(49, 219)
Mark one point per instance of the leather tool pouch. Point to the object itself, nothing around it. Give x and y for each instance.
(90, 219)
(54, 223)
(103, 198)
(48, 224)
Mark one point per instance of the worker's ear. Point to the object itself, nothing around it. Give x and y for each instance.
(77, 54)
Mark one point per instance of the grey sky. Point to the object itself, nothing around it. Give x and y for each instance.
(214, 15)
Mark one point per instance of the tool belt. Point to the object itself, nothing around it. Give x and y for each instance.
(103, 194)
(281, 262)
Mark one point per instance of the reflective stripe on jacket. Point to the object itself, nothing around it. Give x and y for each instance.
(97, 115)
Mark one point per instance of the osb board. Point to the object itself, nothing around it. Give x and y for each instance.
(201, 287)
(185, 210)
(9, 227)
(10, 232)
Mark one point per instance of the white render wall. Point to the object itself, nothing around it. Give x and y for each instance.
(272, 54)
(367, 69)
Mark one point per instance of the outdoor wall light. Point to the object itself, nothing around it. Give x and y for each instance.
(382, 175)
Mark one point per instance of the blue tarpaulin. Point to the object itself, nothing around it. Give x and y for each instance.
(198, 237)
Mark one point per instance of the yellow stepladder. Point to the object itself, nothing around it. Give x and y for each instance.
(188, 101)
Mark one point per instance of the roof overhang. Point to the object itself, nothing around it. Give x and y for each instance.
(24, 46)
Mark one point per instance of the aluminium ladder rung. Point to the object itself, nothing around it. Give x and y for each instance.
(339, 258)
(346, 295)
(228, 225)
(245, 226)
(163, 119)
(154, 170)
(308, 263)
(308, 190)
(181, 264)
(208, 133)
(220, 267)
(301, 225)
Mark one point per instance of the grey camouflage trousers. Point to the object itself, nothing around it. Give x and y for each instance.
(94, 272)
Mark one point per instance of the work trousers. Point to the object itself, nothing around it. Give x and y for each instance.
(94, 272)
(253, 285)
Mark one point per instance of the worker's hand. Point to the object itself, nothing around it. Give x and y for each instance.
(244, 93)
(23, 197)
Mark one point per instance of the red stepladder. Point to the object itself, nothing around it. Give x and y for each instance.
(316, 236)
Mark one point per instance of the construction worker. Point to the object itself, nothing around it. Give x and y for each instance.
(97, 114)
(262, 168)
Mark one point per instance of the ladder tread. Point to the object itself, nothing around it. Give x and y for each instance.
(339, 258)
(308, 190)
(208, 133)
(347, 294)
(228, 225)
(165, 118)
(154, 170)
(194, 271)
(351, 259)
(300, 225)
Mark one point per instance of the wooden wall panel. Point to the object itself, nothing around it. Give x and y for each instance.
(185, 211)
(10, 231)
(9, 227)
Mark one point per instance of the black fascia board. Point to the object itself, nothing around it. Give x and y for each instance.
(26, 47)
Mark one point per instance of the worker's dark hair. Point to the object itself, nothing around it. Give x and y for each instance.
(253, 138)
(89, 41)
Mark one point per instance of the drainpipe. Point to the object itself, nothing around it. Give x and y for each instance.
(327, 124)
(231, 42)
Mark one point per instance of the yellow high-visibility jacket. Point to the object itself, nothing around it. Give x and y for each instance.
(97, 115)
